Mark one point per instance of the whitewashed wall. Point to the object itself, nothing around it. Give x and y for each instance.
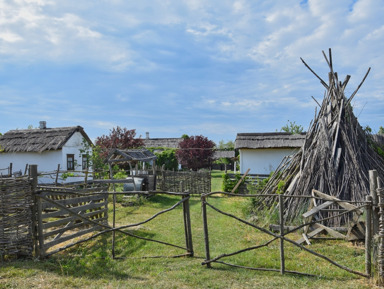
(262, 161)
(47, 161)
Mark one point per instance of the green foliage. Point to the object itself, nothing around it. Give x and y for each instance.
(167, 157)
(229, 184)
(292, 128)
(67, 175)
(230, 145)
(280, 187)
(381, 130)
(377, 147)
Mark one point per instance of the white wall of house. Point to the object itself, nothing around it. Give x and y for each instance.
(262, 161)
(47, 161)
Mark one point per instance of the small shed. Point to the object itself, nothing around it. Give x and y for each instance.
(263, 152)
(144, 178)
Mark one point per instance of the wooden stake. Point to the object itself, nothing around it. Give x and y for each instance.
(281, 215)
(368, 236)
(206, 238)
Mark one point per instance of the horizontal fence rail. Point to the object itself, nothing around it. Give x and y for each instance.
(274, 237)
(62, 216)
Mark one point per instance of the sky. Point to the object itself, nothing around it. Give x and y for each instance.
(197, 67)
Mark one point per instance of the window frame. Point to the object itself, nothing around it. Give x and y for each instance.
(70, 163)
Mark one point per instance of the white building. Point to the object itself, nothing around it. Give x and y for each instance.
(263, 152)
(47, 148)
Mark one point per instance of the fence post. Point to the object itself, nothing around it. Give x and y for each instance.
(187, 222)
(281, 215)
(187, 226)
(57, 174)
(372, 188)
(368, 236)
(33, 176)
(205, 223)
(375, 212)
(114, 212)
(380, 255)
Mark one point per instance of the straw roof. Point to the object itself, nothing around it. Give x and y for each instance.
(162, 142)
(38, 140)
(269, 140)
(120, 155)
(223, 154)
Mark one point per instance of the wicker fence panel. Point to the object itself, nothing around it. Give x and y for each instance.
(193, 182)
(16, 217)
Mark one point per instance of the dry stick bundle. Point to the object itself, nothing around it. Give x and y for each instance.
(335, 158)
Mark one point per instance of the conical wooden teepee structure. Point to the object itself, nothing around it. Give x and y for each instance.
(336, 156)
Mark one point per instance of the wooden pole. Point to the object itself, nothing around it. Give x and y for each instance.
(205, 223)
(33, 176)
(57, 174)
(380, 253)
(375, 212)
(281, 215)
(187, 223)
(240, 181)
(368, 236)
(113, 214)
(10, 169)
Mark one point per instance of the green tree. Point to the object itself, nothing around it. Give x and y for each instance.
(227, 146)
(167, 157)
(292, 128)
(381, 130)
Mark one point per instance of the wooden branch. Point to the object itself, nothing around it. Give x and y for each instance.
(322, 81)
(357, 89)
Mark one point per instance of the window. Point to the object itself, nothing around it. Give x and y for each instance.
(70, 162)
(85, 162)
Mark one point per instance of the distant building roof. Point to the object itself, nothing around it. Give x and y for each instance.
(269, 140)
(38, 140)
(162, 142)
(223, 154)
(120, 155)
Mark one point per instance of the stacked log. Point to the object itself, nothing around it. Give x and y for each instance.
(336, 156)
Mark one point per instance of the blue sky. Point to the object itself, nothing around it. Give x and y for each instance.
(174, 67)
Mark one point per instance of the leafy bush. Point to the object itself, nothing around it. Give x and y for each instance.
(167, 158)
(229, 184)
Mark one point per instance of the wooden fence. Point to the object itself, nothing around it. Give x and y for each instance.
(280, 237)
(16, 216)
(65, 214)
(194, 182)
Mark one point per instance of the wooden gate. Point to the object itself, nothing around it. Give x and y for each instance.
(65, 214)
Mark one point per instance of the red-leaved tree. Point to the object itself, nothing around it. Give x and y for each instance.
(195, 152)
(120, 138)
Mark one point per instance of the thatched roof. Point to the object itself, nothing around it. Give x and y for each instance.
(38, 140)
(119, 155)
(269, 140)
(162, 142)
(223, 154)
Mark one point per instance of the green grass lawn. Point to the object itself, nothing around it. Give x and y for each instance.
(90, 265)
